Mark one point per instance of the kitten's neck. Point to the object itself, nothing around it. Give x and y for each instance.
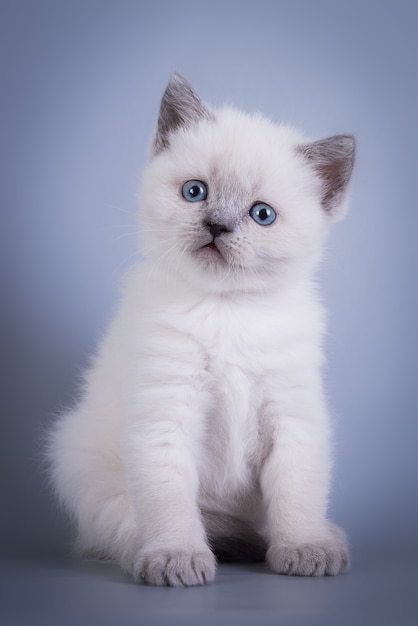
(171, 284)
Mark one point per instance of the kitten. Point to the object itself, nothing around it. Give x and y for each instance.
(203, 429)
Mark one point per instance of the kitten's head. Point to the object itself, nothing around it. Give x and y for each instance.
(233, 201)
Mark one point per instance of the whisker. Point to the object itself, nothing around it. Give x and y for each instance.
(122, 265)
(133, 212)
(149, 249)
(155, 266)
(122, 235)
(179, 257)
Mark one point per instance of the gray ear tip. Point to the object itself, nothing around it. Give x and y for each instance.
(350, 139)
(347, 143)
(342, 147)
(333, 160)
(180, 107)
(177, 76)
(178, 80)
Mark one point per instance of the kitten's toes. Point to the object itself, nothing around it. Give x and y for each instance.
(316, 559)
(175, 568)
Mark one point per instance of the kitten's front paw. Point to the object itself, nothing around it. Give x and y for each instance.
(315, 559)
(175, 568)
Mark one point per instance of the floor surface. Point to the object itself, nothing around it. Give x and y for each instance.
(381, 589)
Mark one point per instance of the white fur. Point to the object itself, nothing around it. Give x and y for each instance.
(206, 393)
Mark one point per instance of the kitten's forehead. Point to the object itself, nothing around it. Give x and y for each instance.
(238, 138)
(227, 181)
(240, 154)
(232, 140)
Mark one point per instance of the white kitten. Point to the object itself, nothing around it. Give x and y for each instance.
(203, 429)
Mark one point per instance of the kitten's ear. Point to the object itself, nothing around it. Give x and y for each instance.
(333, 161)
(180, 107)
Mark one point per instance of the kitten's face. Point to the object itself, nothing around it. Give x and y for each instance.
(230, 203)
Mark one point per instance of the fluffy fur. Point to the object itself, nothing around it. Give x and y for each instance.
(203, 430)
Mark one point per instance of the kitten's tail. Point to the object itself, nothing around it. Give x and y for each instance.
(233, 540)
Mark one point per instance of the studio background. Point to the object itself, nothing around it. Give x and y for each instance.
(81, 83)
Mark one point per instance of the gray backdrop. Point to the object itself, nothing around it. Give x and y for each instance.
(80, 88)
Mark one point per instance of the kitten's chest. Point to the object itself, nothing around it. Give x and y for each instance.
(233, 367)
(239, 342)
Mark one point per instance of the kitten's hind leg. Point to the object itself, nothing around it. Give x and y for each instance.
(233, 540)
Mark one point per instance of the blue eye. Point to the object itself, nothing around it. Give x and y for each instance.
(263, 214)
(194, 191)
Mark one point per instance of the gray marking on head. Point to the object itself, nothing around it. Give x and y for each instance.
(180, 108)
(333, 159)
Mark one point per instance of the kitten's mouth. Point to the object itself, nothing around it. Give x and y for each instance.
(211, 251)
(211, 246)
